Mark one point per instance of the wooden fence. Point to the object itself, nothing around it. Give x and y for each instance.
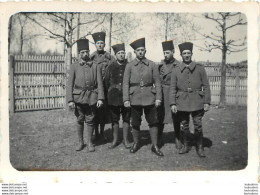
(39, 83)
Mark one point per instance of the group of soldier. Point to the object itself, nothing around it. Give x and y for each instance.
(101, 88)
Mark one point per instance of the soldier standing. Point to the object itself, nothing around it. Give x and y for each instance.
(103, 59)
(190, 94)
(164, 112)
(113, 85)
(85, 93)
(142, 92)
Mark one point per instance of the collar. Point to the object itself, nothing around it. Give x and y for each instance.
(191, 66)
(123, 63)
(169, 62)
(82, 63)
(137, 61)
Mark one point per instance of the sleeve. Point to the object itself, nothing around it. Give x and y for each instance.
(206, 87)
(100, 84)
(70, 82)
(173, 88)
(157, 82)
(126, 81)
(107, 78)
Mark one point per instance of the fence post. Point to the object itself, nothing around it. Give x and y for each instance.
(11, 84)
(237, 80)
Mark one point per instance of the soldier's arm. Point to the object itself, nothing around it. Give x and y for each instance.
(206, 86)
(70, 85)
(100, 84)
(173, 88)
(126, 81)
(107, 78)
(157, 82)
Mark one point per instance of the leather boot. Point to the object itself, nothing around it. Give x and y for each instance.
(160, 134)
(185, 147)
(115, 136)
(177, 132)
(199, 142)
(154, 137)
(126, 128)
(102, 134)
(90, 130)
(136, 145)
(96, 136)
(80, 129)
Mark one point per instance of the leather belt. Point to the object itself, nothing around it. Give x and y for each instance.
(141, 84)
(189, 90)
(87, 88)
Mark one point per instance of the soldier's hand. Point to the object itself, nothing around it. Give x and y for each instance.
(206, 107)
(174, 109)
(99, 103)
(71, 105)
(158, 103)
(127, 104)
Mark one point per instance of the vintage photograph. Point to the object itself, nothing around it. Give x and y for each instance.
(126, 91)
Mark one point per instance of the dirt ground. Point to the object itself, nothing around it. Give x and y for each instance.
(46, 140)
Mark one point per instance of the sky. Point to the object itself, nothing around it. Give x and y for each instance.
(149, 25)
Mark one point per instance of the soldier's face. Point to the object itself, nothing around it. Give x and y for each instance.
(100, 45)
(120, 56)
(84, 54)
(140, 53)
(186, 55)
(168, 54)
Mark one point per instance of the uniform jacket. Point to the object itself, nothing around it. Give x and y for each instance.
(189, 89)
(139, 73)
(165, 71)
(114, 83)
(84, 76)
(103, 60)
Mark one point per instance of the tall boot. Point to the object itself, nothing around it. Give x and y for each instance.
(185, 147)
(160, 134)
(90, 130)
(199, 142)
(80, 129)
(154, 137)
(115, 135)
(177, 132)
(136, 146)
(102, 134)
(126, 128)
(97, 136)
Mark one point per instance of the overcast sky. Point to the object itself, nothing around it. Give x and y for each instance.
(148, 25)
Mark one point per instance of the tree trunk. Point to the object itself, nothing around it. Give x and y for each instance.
(10, 25)
(222, 101)
(166, 26)
(110, 32)
(78, 32)
(21, 38)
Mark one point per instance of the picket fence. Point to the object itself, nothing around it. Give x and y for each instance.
(39, 83)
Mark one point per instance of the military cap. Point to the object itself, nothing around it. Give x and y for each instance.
(138, 43)
(99, 36)
(83, 44)
(118, 47)
(167, 45)
(186, 46)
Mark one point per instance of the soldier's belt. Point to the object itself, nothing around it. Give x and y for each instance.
(88, 88)
(141, 84)
(189, 90)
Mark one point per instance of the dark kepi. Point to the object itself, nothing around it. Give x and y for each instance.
(167, 45)
(186, 46)
(99, 36)
(138, 43)
(118, 47)
(83, 44)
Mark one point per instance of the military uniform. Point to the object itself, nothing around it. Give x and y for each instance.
(85, 88)
(189, 91)
(142, 86)
(103, 60)
(114, 88)
(164, 112)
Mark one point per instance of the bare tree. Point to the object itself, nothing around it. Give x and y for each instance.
(219, 40)
(176, 26)
(62, 27)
